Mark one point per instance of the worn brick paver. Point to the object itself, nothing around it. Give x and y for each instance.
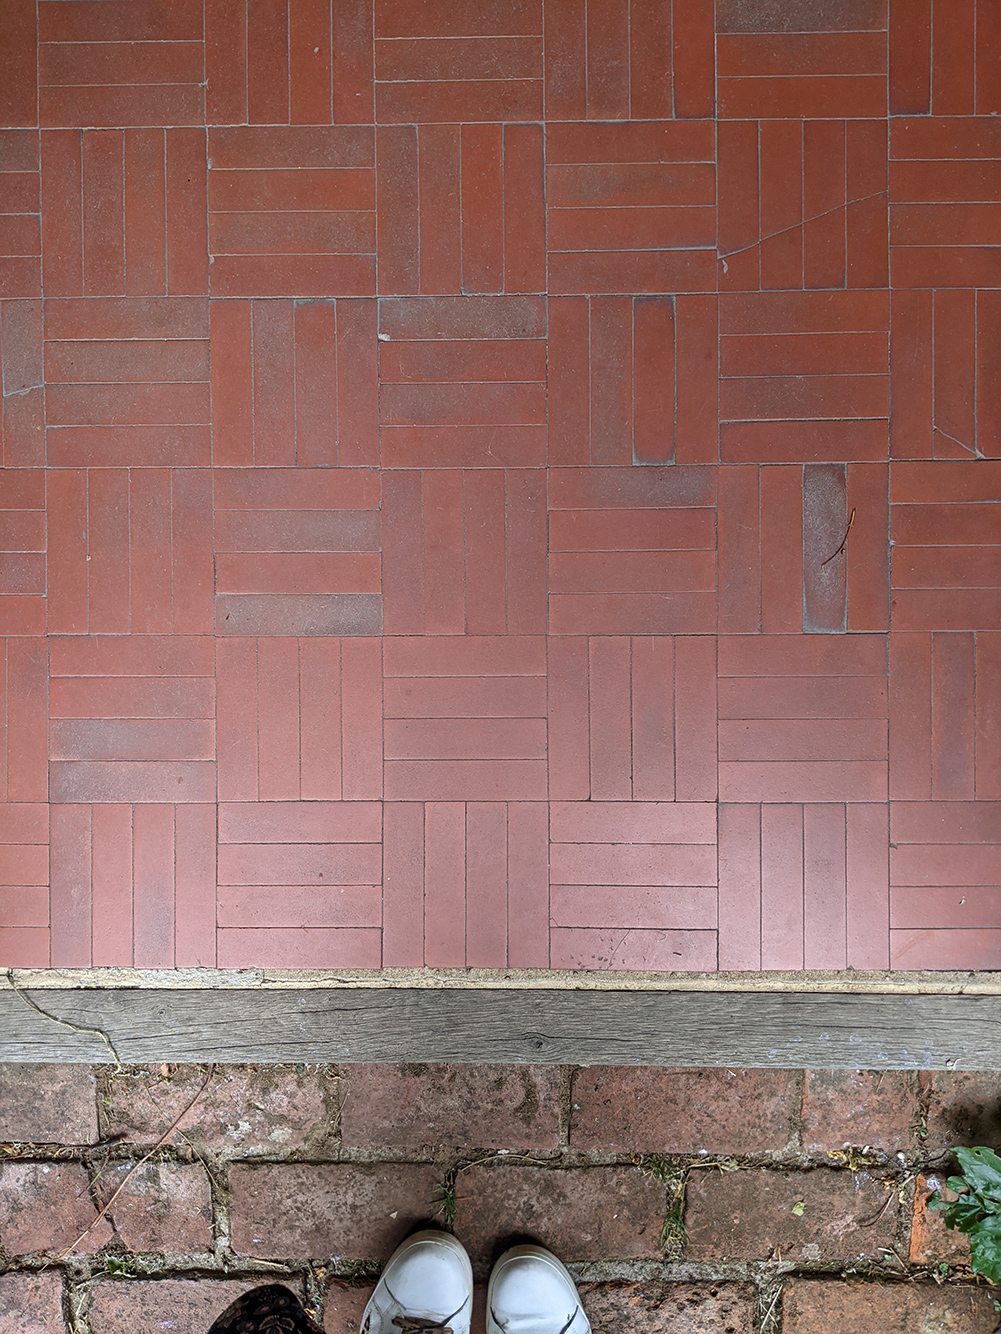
(817, 1307)
(343, 1308)
(245, 1112)
(751, 1215)
(46, 1207)
(682, 1111)
(492, 1106)
(187, 1306)
(164, 1206)
(963, 1107)
(681, 1308)
(582, 1215)
(31, 1304)
(47, 1104)
(873, 1109)
(351, 1210)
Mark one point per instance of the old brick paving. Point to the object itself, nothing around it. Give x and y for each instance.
(310, 1175)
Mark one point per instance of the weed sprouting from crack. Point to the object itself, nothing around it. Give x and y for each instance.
(445, 1200)
(673, 1237)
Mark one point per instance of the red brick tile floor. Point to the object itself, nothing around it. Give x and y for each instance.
(430, 433)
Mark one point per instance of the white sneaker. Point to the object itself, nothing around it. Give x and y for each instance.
(530, 1292)
(427, 1285)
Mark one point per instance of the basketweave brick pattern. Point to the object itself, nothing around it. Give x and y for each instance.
(309, 1175)
(500, 486)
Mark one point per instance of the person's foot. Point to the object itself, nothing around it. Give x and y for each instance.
(530, 1292)
(427, 1285)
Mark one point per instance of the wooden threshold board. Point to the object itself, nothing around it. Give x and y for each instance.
(750, 1028)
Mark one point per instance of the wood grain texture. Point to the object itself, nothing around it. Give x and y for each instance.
(549, 1028)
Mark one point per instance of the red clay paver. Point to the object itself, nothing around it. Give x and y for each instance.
(414, 1105)
(165, 1207)
(349, 1210)
(810, 1306)
(823, 1215)
(47, 1207)
(455, 414)
(682, 1308)
(584, 1215)
(860, 1108)
(32, 1303)
(245, 1112)
(48, 1104)
(657, 1110)
(190, 1305)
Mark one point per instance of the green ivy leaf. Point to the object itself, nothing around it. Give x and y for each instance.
(965, 1215)
(985, 1253)
(982, 1170)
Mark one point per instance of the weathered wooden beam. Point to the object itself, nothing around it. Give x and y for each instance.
(670, 1028)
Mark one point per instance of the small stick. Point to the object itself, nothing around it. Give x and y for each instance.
(844, 541)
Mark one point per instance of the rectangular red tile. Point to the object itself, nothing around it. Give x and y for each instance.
(70, 901)
(632, 907)
(444, 884)
(131, 781)
(652, 721)
(465, 780)
(524, 210)
(300, 864)
(739, 893)
(824, 887)
(825, 522)
(569, 733)
(867, 886)
(637, 821)
(694, 63)
(361, 719)
(650, 62)
(319, 759)
(786, 781)
(527, 885)
(936, 907)
(630, 864)
(403, 885)
(944, 821)
(352, 62)
(782, 888)
(25, 708)
(301, 907)
(128, 739)
(952, 720)
(988, 723)
(485, 896)
(307, 821)
(21, 414)
(801, 739)
(952, 864)
(482, 225)
(111, 869)
(337, 947)
(782, 553)
(459, 100)
(610, 720)
(153, 870)
(695, 718)
(18, 39)
(664, 951)
(67, 553)
(309, 40)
